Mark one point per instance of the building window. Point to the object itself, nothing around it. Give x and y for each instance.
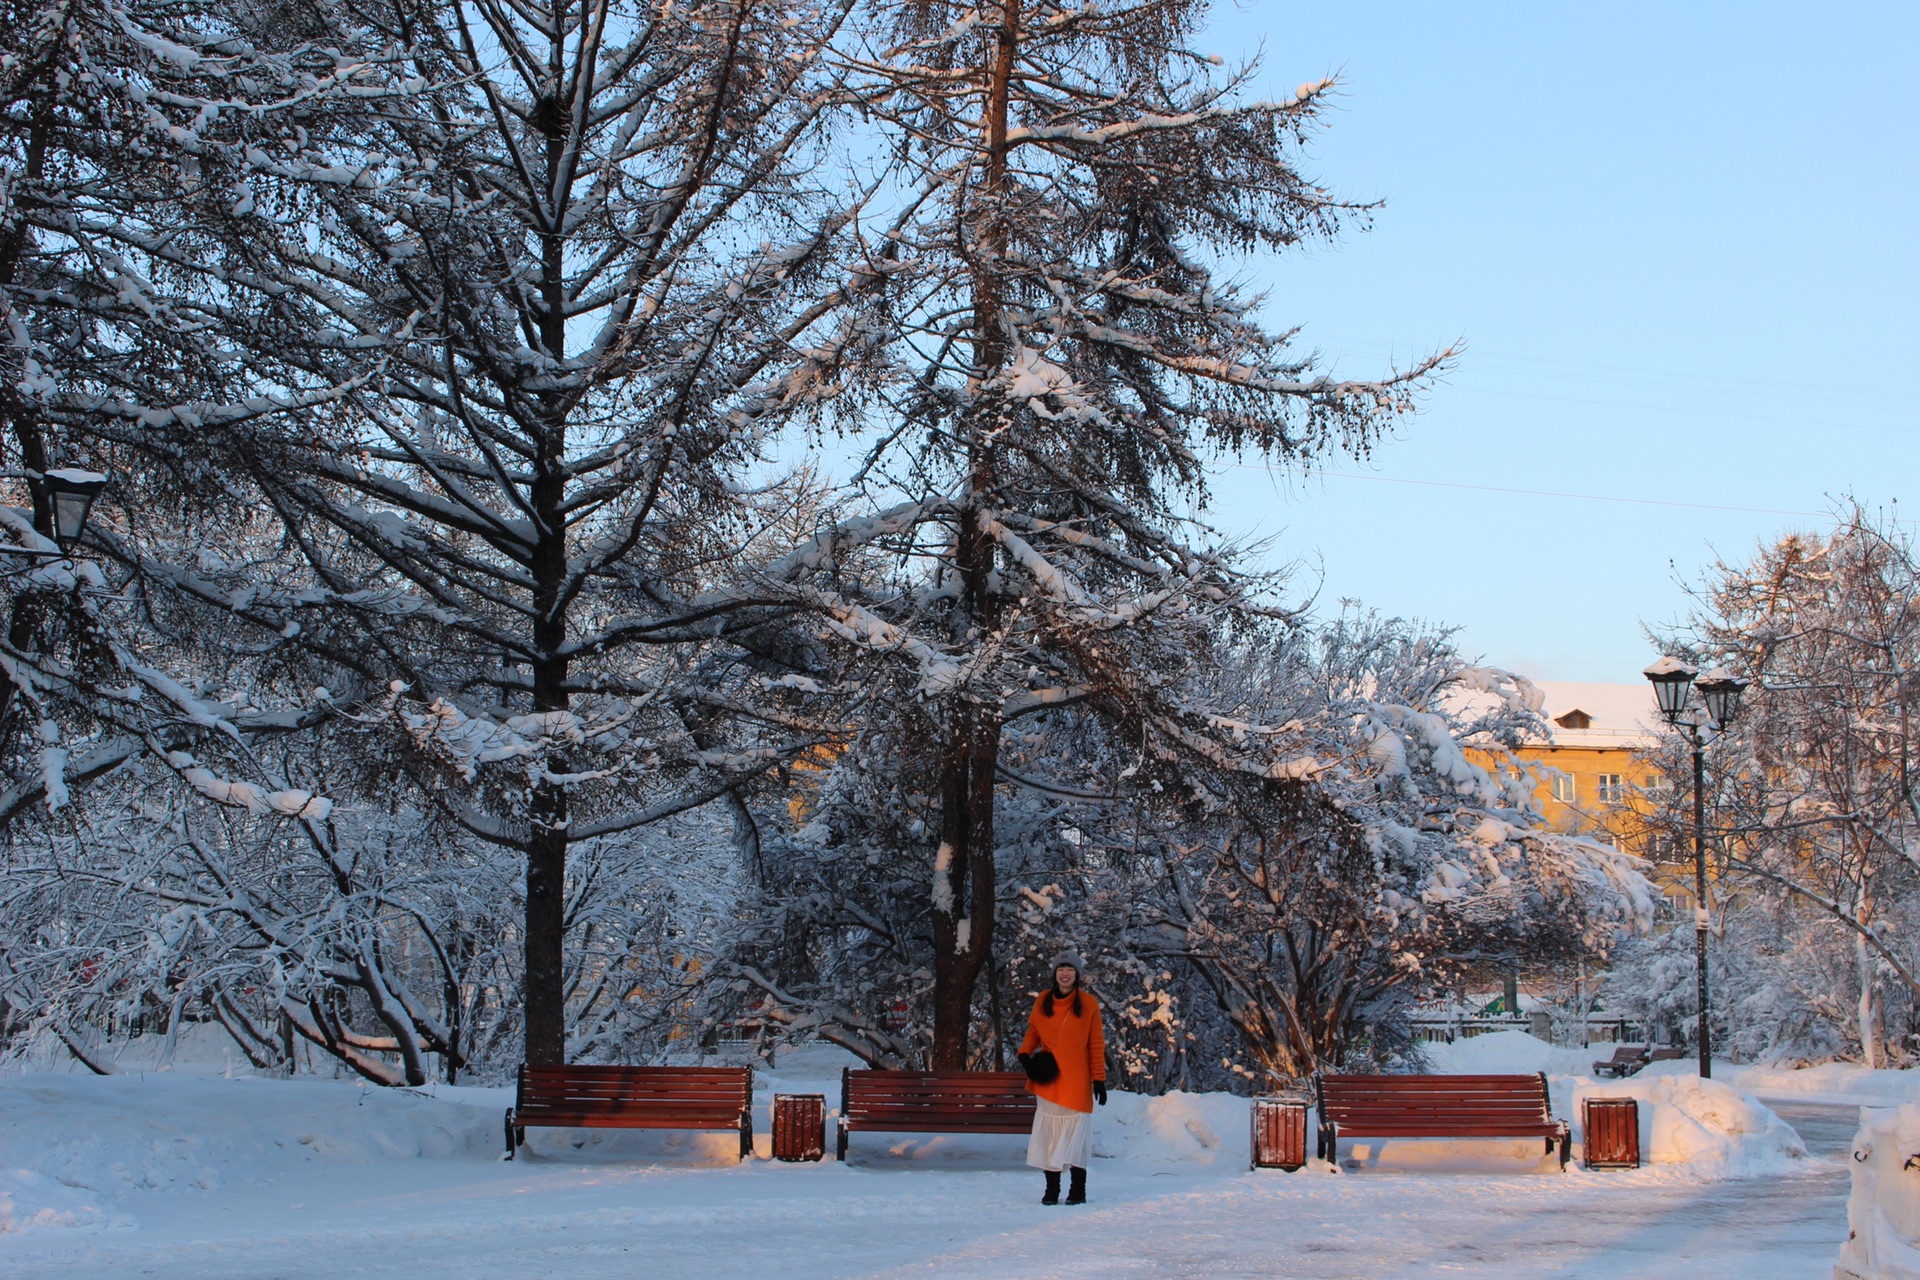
(1565, 790)
(1612, 788)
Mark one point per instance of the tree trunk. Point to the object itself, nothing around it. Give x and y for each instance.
(546, 933)
(964, 879)
(963, 889)
(547, 844)
(546, 997)
(1869, 1024)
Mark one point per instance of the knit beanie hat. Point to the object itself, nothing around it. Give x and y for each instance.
(1071, 960)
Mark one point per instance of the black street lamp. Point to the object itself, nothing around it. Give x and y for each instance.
(1719, 690)
(69, 493)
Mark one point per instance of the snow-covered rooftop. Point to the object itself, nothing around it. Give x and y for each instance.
(1616, 715)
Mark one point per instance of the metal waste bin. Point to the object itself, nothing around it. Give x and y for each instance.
(1613, 1133)
(799, 1126)
(1279, 1133)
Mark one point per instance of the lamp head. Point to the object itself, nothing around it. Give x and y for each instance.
(1672, 680)
(1720, 689)
(71, 492)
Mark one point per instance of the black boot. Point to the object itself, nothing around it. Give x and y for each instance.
(1053, 1187)
(1077, 1189)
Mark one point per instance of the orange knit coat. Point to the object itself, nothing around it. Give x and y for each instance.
(1076, 1042)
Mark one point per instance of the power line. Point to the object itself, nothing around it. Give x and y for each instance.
(1810, 390)
(1743, 415)
(1548, 493)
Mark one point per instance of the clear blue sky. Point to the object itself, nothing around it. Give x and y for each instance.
(1679, 241)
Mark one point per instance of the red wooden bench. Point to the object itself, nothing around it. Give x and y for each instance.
(1436, 1107)
(1625, 1061)
(1671, 1054)
(933, 1102)
(606, 1097)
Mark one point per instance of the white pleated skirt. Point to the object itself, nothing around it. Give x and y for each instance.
(1062, 1137)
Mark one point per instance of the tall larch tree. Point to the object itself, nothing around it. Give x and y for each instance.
(1045, 359)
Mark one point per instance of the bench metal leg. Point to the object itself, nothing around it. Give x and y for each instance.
(746, 1133)
(509, 1133)
(841, 1153)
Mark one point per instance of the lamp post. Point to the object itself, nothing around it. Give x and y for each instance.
(1719, 689)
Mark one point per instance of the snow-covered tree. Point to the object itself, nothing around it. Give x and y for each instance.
(1814, 809)
(494, 307)
(1782, 989)
(1043, 357)
(1402, 850)
(1272, 919)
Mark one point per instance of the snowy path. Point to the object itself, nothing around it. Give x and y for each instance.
(883, 1218)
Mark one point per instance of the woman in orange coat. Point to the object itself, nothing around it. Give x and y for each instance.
(1065, 1023)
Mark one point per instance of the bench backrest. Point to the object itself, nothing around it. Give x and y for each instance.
(1629, 1054)
(998, 1097)
(1351, 1101)
(1668, 1055)
(583, 1089)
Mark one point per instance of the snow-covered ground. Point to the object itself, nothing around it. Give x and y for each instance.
(176, 1174)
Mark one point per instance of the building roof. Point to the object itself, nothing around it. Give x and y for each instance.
(1615, 715)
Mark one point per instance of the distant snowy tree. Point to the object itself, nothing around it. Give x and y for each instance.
(1782, 991)
(1815, 794)
(1402, 850)
(1042, 358)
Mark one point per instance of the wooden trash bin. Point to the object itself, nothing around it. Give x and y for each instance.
(1279, 1134)
(1613, 1133)
(799, 1126)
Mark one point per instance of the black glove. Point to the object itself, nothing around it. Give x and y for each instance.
(1026, 1062)
(1100, 1092)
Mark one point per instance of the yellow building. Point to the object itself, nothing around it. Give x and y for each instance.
(1595, 778)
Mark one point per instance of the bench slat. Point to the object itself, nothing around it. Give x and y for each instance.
(617, 1095)
(730, 1106)
(627, 1120)
(881, 1111)
(1340, 1109)
(933, 1124)
(1444, 1127)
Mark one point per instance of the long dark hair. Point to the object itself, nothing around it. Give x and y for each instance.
(1046, 1001)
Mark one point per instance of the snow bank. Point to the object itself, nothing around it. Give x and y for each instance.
(1706, 1125)
(90, 1140)
(30, 1200)
(1845, 1083)
(1714, 1128)
(1883, 1210)
(85, 1153)
(1177, 1128)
